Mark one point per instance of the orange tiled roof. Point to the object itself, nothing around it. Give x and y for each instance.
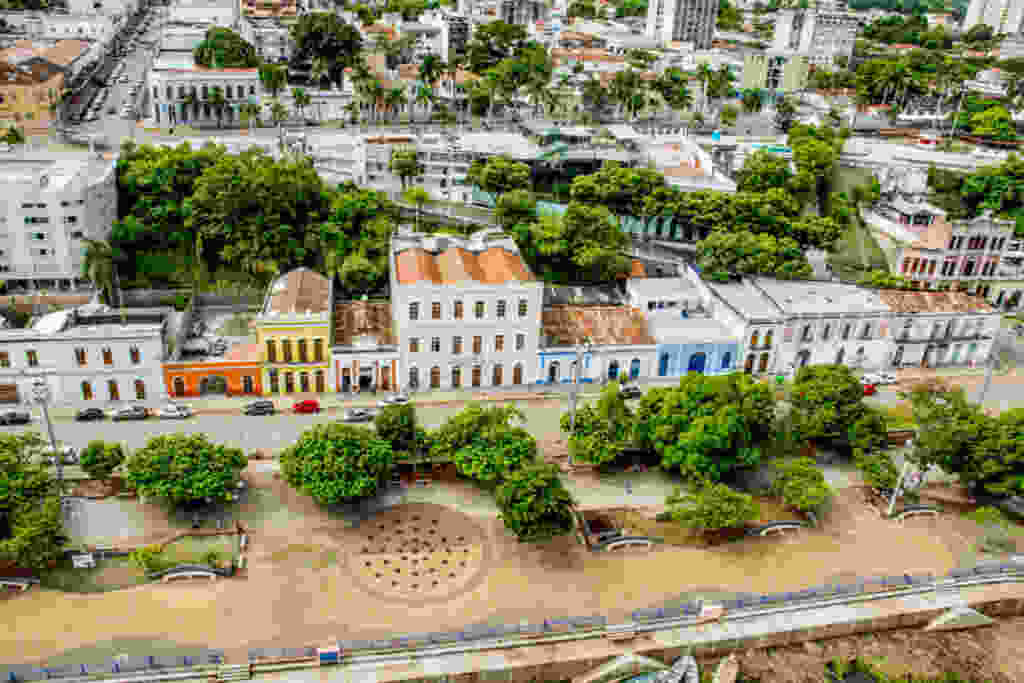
(933, 302)
(65, 52)
(637, 269)
(602, 325)
(491, 266)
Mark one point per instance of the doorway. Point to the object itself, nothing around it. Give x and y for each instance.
(553, 372)
(613, 369)
(697, 362)
(214, 384)
(477, 373)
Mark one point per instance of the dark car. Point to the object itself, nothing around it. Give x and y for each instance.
(89, 414)
(131, 413)
(259, 408)
(628, 391)
(15, 418)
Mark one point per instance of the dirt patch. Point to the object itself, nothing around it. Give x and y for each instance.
(97, 488)
(993, 654)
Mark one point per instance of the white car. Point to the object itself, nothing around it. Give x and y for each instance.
(886, 378)
(870, 378)
(394, 400)
(175, 411)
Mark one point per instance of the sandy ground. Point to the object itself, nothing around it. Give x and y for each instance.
(299, 589)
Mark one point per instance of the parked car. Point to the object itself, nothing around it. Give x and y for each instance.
(174, 411)
(131, 413)
(887, 378)
(307, 406)
(357, 415)
(259, 408)
(394, 400)
(628, 391)
(68, 456)
(870, 378)
(15, 417)
(89, 414)
(870, 389)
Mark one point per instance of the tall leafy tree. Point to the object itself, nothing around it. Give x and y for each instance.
(327, 36)
(498, 175)
(493, 42)
(762, 171)
(495, 453)
(184, 468)
(461, 429)
(713, 507)
(602, 431)
(723, 256)
(337, 463)
(31, 523)
(274, 78)
(99, 266)
(100, 458)
(534, 504)
(397, 425)
(584, 244)
(222, 48)
(405, 164)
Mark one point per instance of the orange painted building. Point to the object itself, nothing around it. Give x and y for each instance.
(238, 373)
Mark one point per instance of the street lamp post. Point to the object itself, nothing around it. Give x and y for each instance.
(581, 349)
(41, 394)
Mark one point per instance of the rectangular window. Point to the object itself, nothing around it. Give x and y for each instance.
(303, 351)
(108, 357)
(499, 342)
(478, 309)
(135, 355)
(478, 344)
(522, 308)
(271, 351)
(286, 350)
(80, 357)
(318, 350)
(458, 310)
(435, 345)
(520, 342)
(435, 310)
(275, 386)
(414, 311)
(456, 345)
(414, 345)
(846, 331)
(500, 309)
(5, 359)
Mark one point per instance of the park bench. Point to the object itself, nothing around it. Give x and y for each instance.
(777, 528)
(190, 574)
(20, 584)
(629, 542)
(914, 511)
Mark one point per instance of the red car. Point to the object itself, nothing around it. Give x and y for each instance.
(307, 406)
(870, 389)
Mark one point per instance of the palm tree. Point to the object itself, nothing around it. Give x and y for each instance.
(394, 100)
(98, 265)
(430, 69)
(320, 70)
(218, 103)
(704, 75)
(278, 112)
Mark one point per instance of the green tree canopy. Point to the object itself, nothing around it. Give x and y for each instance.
(582, 245)
(534, 504)
(491, 43)
(800, 484)
(712, 508)
(826, 400)
(724, 256)
(517, 207)
(461, 429)
(184, 468)
(222, 48)
(405, 164)
(707, 427)
(495, 453)
(325, 35)
(397, 425)
(621, 190)
(337, 463)
(498, 175)
(602, 430)
(100, 458)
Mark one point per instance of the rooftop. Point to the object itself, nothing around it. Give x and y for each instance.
(797, 297)
(356, 321)
(244, 353)
(486, 257)
(933, 302)
(53, 175)
(670, 327)
(299, 292)
(568, 325)
(744, 298)
(607, 295)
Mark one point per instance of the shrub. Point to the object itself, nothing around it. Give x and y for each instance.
(100, 459)
(213, 559)
(148, 559)
(712, 508)
(877, 469)
(800, 484)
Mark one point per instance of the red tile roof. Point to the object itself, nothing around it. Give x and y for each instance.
(568, 325)
(933, 302)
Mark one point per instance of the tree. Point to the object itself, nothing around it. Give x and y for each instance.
(997, 462)
(184, 469)
(491, 43)
(979, 33)
(498, 175)
(728, 115)
(994, 122)
(949, 427)
(397, 425)
(327, 36)
(826, 400)
(100, 458)
(405, 164)
(883, 279)
(621, 190)
(602, 431)
(722, 256)
(337, 463)
(534, 504)
(785, 114)
(14, 136)
(98, 265)
(31, 521)
(261, 214)
(517, 207)
(878, 470)
(461, 429)
(274, 78)
(713, 507)
(584, 244)
(707, 427)
(800, 484)
(417, 196)
(222, 48)
(302, 100)
(278, 112)
(495, 453)
(358, 274)
(762, 171)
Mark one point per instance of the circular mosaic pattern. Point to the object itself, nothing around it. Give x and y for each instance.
(418, 552)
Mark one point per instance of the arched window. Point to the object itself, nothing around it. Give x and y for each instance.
(289, 383)
(112, 390)
(304, 382)
(303, 356)
(663, 365)
(435, 377)
(613, 369)
(275, 385)
(286, 350)
(697, 362)
(840, 355)
(321, 382)
(748, 367)
(414, 378)
(140, 390)
(497, 379)
(87, 391)
(517, 373)
(553, 371)
(768, 339)
(763, 365)
(634, 368)
(456, 377)
(477, 376)
(726, 360)
(754, 338)
(247, 385)
(179, 386)
(271, 351)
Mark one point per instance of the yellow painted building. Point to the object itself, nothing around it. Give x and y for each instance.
(294, 334)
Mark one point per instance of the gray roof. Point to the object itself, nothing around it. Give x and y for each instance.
(671, 328)
(749, 302)
(817, 298)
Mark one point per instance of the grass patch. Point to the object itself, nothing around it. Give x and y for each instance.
(111, 573)
(847, 260)
(193, 549)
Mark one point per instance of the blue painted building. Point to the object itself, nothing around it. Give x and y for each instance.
(692, 344)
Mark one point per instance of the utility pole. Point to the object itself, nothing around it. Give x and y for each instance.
(990, 363)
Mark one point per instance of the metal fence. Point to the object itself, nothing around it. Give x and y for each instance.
(646, 618)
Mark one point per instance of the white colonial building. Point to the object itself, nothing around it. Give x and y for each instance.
(87, 356)
(467, 311)
(47, 211)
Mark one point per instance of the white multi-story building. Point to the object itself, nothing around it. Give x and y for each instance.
(466, 311)
(682, 20)
(87, 356)
(178, 91)
(933, 329)
(818, 35)
(1004, 16)
(269, 35)
(47, 211)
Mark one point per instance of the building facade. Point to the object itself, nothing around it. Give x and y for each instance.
(778, 71)
(294, 334)
(238, 373)
(620, 343)
(691, 21)
(935, 329)
(466, 311)
(364, 353)
(87, 357)
(29, 93)
(1004, 16)
(184, 94)
(47, 211)
(816, 34)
